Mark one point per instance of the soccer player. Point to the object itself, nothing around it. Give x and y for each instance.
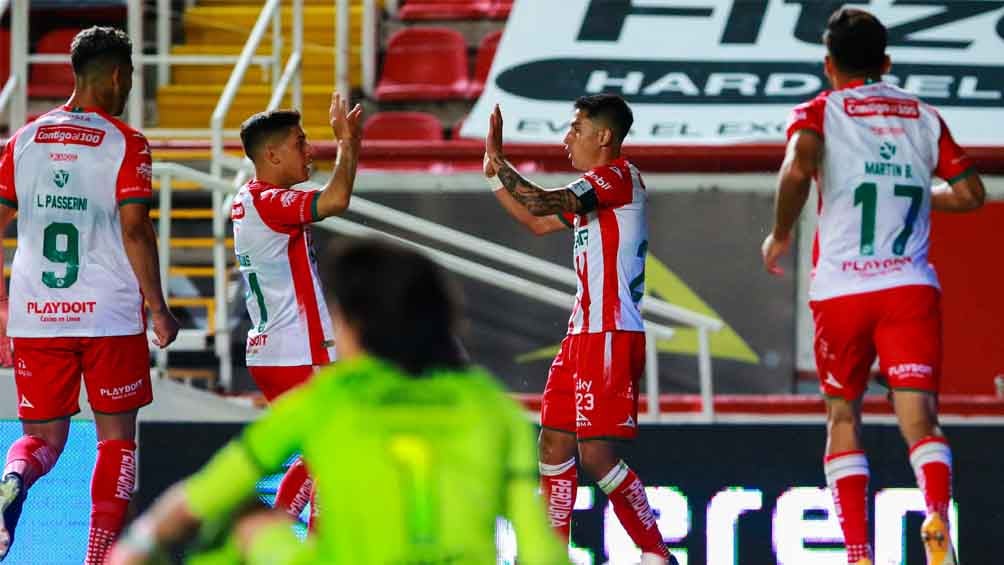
(873, 149)
(416, 453)
(79, 181)
(590, 402)
(291, 334)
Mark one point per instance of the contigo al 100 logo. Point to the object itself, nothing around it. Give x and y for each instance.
(669, 76)
(70, 135)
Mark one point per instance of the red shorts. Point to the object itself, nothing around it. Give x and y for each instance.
(592, 388)
(274, 381)
(47, 371)
(902, 326)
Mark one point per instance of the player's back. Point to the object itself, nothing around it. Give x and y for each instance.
(71, 169)
(881, 148)
(414, 470)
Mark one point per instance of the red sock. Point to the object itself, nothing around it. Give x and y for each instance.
(559, 484)
(627, 495)
(111, 489)
(294, 490)
(37, 455)
(931, 459)
(314, 510)
(847, 477)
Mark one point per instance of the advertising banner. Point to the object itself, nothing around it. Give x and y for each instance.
(729, 71)
(55, 520)
(728, 494)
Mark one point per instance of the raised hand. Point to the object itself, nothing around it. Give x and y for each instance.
(493, 141)
(346, 125)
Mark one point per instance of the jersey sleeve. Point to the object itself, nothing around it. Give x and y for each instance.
(135, 180)
(953, 163)
(567, 218)
(287, 206)
(603, 187)
(8, 195)
(808, 115)
(229, 479)
(538, 545)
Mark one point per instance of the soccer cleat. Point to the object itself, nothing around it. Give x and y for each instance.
(11, 502)
(937, 542)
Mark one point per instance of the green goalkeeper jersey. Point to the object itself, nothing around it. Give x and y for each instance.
(409, 470)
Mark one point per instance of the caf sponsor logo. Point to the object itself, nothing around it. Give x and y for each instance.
(70, 135)
(124, 391)
(61, 307)
(63, 157)
(60, 177)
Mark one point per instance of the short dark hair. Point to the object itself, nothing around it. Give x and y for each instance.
(400, 302)
(610, 109)
(97, 47)
(856, 41)
(264, 126)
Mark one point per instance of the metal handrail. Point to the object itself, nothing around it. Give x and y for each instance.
(492, 276)
(270, 11)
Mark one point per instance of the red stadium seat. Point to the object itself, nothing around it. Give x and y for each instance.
(446, 9)
(483, 64)
(499, 9)
(4, 55)
(52, 80)
(424, 64)
(403, 126)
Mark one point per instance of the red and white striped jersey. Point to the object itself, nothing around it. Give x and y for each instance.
(67, 173)
(882, 146)
(290, 324)
(610, 244)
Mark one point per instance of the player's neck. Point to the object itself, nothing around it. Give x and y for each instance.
(604, 157)
(843, 81)
(86, 98)
(272, 177)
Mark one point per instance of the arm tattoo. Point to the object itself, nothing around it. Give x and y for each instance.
(538, 201)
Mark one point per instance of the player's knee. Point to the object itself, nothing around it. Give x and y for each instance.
(597, 457)
(556, 447)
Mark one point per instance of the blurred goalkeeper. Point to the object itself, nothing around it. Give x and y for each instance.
(416, 452)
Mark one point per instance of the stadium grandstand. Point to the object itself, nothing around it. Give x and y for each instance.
(731, 416)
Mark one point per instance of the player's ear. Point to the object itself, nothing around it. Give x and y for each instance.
(606, 136)
(886, 65)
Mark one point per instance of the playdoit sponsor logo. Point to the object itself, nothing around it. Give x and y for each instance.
(124, 391)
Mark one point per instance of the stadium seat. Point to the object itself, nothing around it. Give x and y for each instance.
(52, 80)
(424, 64)
(403, 126)
(415, 10)
(4, 55)
(483, 64)
(499, 9)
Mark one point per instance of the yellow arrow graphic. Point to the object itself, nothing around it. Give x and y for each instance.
(663, 283)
